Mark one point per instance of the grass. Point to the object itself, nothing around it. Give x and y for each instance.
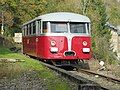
(13, 70)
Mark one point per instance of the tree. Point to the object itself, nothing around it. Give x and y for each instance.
(100, 34)
(17, 12)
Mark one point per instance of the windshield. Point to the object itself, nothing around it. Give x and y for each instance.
(59, 28)
(78, 28)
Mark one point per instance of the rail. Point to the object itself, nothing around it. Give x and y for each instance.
(103, 76)
(83, 83)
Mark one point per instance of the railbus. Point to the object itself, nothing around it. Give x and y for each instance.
(61, 37)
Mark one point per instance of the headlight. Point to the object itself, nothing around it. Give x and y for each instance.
(85, 43)
(53, 43)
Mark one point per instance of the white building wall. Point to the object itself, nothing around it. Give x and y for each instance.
(115, 41)
(18, 38)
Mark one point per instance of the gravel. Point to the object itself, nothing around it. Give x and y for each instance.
(25, 81)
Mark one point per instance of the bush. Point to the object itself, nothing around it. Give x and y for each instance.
(103, 51)
(6, 41)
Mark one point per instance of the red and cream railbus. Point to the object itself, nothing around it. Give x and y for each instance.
(58, 37)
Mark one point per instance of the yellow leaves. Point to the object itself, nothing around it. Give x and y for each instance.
(8, 18)
(3, 1)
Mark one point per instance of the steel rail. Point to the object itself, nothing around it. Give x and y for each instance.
(103, 76)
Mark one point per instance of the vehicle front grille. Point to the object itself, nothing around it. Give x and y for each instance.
(69, 53)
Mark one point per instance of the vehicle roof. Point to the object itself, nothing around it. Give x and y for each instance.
(62, 17)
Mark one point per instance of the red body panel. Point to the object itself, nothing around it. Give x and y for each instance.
(39, 46)
(43, 47)
(77, 46)
(29, 45)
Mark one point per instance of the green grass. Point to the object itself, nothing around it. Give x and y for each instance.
(12, 70)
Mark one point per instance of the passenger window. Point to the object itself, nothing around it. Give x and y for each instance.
(39, 26)
(34, 28)
(44, 27)
(27, 30)
(23, 31)
(88, 27)
(30, 29)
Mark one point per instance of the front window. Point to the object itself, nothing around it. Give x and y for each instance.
(59, 27)
(78, 28)
(72, 27)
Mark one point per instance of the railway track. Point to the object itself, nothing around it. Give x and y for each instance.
(105, 82)
(115, 80)
(82, 82)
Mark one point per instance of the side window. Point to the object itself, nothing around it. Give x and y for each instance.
(30, 29)
(34, 28)
(27, 30)
(44, 30)
(23, 31)
(88, 27)
(39, 26)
